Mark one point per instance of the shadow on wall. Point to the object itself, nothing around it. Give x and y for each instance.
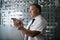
(57, 31)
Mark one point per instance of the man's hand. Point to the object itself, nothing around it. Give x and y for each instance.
(17, 23)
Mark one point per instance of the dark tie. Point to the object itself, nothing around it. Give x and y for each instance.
(31, 23)
(29, 28)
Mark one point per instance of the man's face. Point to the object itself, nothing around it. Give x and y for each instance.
(33, 11)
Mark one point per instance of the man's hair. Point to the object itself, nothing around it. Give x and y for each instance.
(37, 6)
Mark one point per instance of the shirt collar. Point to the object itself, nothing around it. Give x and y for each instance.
(37, 16)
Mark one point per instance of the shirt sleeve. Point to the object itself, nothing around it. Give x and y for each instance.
(39, 26)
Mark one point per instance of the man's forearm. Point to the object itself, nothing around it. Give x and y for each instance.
(29, 32)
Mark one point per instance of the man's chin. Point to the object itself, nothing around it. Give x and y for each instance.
(32, 16)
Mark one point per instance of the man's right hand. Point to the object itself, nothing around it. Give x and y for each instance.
(17, 23)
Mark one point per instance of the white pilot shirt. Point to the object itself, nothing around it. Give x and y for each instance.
(39, 24)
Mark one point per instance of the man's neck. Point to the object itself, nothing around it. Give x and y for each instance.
(35, 16)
